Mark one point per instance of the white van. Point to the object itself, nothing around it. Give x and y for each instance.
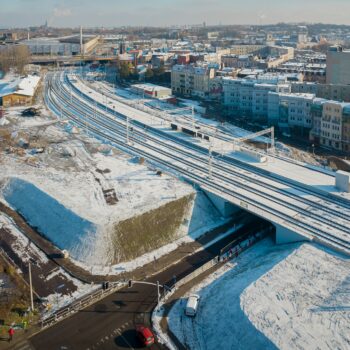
(192, 305)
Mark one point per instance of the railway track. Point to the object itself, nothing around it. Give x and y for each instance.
(109, 128)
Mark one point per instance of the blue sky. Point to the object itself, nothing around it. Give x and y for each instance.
(168, 12)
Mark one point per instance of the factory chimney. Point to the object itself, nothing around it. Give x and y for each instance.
(81, 40)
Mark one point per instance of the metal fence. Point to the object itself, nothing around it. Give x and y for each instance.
(225, 257)
(80, 304)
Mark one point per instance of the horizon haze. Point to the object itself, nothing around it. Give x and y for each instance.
(116, 13)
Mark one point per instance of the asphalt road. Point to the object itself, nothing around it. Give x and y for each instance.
(110, 323)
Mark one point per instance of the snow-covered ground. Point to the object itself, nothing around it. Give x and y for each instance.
(287, 297)
(60, 191)
(63, 288)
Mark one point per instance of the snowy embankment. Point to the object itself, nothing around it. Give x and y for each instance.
(61, 192)
(287, 297)
(62, 226)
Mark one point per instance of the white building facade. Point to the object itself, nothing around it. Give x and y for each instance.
(191, 80)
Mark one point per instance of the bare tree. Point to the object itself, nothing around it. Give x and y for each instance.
(15, 57)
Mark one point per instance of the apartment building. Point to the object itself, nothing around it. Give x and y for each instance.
(316, 116)
(331, 125)
(250, 96)
(290, 110)
(191, 80)
(336, 92)
(237, 61)
(338, 66)
(346, 128)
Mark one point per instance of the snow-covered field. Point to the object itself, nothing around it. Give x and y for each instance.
(60, 191)
(287, 297)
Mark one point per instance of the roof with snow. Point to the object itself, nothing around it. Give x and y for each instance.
(21, 86)
(28, 85)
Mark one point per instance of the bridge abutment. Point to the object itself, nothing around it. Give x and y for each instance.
(225, 208)
(285, 235)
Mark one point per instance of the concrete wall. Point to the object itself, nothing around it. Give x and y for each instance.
(226, 208)
(284, 235)
(342, 180)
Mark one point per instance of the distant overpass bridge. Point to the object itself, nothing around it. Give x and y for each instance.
(65, 60)
(299, 210)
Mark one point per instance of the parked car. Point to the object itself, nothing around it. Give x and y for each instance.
(192, 305)
(145, 335)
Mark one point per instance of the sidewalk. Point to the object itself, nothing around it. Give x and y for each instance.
(183, 289)
(178, 295)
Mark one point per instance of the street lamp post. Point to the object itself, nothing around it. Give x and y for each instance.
(56, 291)
(158, 300)
(31, 287)
(158, 285)
(210, 160)
(127, 130)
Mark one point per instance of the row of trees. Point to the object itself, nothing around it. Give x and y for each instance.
(15, 57)
(126, 71)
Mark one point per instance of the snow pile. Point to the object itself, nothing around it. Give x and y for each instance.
(4, 121)
(287, 297)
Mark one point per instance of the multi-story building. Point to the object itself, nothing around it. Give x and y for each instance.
(250, 96)
(237, 61)
(316, 116)
(191, 80)
(338, 66)
(313, 72)
(346, 128)
(290, 110)
(247, 49)
(299, 111)
(336, 92)
(331, 125)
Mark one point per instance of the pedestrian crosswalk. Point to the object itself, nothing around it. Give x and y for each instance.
(23, 345)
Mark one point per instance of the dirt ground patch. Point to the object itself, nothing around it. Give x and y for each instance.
(45, 273)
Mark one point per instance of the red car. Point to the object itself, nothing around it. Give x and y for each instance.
(145, 335)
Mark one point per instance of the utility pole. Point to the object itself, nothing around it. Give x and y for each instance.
(158, 285)
(193, 122)
(31, 287)
(127, 130)
(210, 160)
(158, 296)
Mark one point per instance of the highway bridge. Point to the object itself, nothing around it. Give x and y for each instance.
(301, 210)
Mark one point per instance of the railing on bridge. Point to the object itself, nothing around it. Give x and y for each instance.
(80, 304)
